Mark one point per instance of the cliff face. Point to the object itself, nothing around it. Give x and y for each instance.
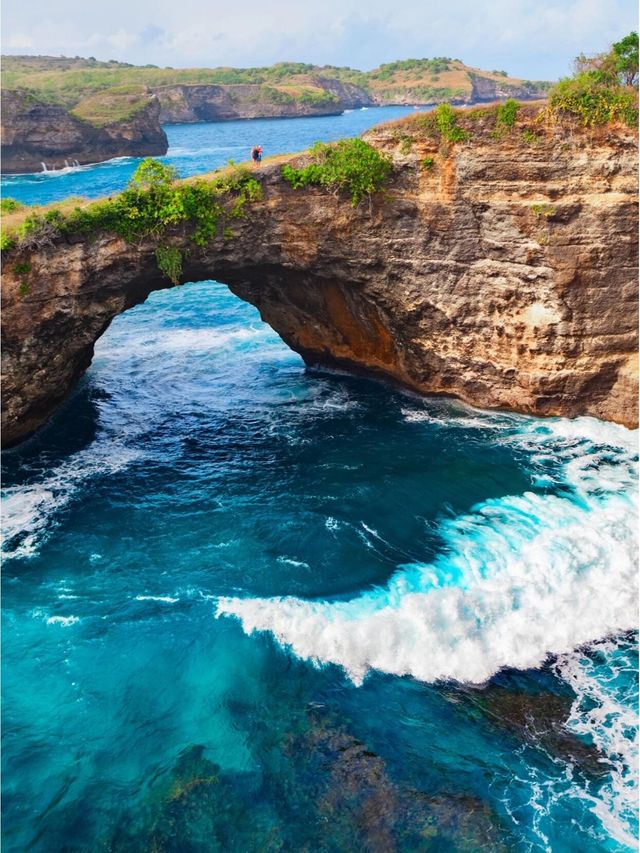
(36, 134)
(204, 102)
(490, 89)
(504, 274)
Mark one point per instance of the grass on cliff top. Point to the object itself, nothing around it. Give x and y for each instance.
(115, 105)
(603, 92)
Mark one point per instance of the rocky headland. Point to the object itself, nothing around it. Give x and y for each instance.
(500, 268)
(37, 135)
(198, 102)
(58, 109)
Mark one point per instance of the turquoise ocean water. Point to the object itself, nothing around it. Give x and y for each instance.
(251, 607)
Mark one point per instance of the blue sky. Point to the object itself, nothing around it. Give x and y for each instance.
(528, 39)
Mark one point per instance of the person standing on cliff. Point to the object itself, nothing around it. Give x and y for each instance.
(256, 155)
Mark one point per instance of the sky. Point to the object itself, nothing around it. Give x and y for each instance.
(535, 40)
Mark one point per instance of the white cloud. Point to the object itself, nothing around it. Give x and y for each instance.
(534, 39)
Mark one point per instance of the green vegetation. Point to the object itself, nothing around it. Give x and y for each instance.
(351, 166)
(603, 89)
(427, 164)
(625, 59)
(23, 269)
(80, 84)
(415, 66)
(443, 122)
(169, 260)
(447, 122)
(506, 114)
(426, 94)
(151, 206)
(406, 144)
(317, 97)
(118, 104)
(543, 210)
(9, 205)
(530, 136)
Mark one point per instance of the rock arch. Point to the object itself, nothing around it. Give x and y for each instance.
(450, 283)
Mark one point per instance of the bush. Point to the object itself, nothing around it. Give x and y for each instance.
(443, 122)
(594, 102)
(9, 205)
(351, 165)
(406, 144)
(530, 137)
(506, 114)
(7, 242)
(546, 211)
(625, 59)
(602, 89)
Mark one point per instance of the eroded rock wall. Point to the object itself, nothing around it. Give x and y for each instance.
(37, 135)
(504, 274)
(207, 102)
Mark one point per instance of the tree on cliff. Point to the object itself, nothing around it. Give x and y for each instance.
(626, 59)
(618, 65)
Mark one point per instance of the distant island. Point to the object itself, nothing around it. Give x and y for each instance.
(58, 111)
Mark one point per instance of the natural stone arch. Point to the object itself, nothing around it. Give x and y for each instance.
(445, 283)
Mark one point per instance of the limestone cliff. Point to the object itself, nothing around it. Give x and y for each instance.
(501, 271)
(35, 133)
(485, 88)
(206, 102)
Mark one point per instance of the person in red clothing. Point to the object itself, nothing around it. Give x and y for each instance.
(256, 155)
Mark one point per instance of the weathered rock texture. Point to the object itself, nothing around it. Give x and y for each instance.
(37, 134)
(489, 89)
(205, 102)
(505, 274)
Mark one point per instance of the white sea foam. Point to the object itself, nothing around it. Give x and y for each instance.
(166, 599)
(522, 577)
(63, 621)
(28, 511)
(298, 564)
(607, 715)
(176, 340)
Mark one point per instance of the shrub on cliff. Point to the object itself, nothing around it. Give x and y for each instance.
(506, 114)
(443, 122)
(351, 166)
(603, 88)
(9, 205)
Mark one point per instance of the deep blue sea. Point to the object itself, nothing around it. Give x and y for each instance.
(252, 607)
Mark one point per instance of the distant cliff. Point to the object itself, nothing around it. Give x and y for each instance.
(198, 102)
(37, 134)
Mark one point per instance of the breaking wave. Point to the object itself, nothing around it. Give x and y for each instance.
(520, 577)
